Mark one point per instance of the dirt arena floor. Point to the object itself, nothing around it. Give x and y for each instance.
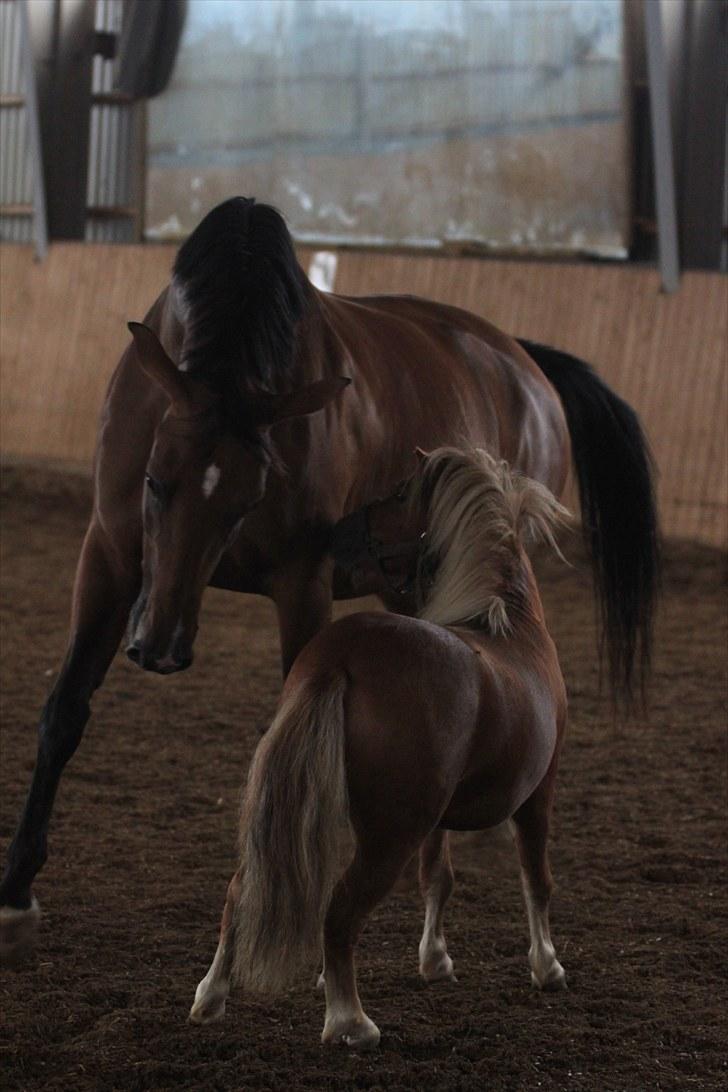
(143, 844)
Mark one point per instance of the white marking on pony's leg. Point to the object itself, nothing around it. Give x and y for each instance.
(530, 832)
(212, 992)
(209, 480)
(546, 971)
(436, 885)
(346, 1022)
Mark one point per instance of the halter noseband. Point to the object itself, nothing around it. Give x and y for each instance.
(380, 552)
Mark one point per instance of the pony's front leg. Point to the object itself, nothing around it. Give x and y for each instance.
(436, 883)
(102, 597)
(213, 990)
(530, 829)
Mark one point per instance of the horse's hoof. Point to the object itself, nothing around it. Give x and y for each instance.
(439, 969)
(357, 1034)
(18, 933)
(554, 980)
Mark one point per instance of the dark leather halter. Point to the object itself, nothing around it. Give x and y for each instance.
(353, 536)
(381, 552)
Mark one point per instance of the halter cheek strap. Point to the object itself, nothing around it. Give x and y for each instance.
(381, 552)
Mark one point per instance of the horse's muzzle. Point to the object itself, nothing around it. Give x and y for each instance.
(178, 659)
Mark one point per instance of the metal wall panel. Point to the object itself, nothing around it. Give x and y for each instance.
(112, 214)
(16, 180)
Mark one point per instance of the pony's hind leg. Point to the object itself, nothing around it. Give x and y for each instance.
(370, 876)
(213, 990)
(530, 830)
(436, 883)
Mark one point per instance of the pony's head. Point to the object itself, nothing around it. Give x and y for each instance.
(453, 534)
(207, 470)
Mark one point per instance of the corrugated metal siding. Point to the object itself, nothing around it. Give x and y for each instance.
(113, 197)
(111, 182)
(16, 180)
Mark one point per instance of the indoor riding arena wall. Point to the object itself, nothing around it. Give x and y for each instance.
(63, 327)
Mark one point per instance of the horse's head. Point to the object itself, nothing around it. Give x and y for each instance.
(202, 479)
(449, 535)
(381, 544)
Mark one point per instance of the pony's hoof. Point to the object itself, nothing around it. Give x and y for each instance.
(358, 1034)
(209, 1005)
(554, 980)
(207, 1011)
(18, 933)
(439, 969)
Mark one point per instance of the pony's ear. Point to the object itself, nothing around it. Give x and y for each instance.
(539, 514)
(421, 454)
(159, 366)
(271, 408)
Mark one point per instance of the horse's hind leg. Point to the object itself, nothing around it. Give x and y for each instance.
(213, 990)
(101, 601)
(530, 828)
(370, 876)
(436, 882)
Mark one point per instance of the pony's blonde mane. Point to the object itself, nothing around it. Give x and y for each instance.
(480, 513)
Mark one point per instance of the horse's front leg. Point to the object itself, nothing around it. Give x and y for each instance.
(212, 992)
(102, 597)
(436, 883)
(303, 599)
(530, 826)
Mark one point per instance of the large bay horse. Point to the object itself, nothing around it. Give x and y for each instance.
(404, 729)
(229, 447)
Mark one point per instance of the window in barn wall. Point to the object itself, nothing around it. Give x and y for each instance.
(428, 123)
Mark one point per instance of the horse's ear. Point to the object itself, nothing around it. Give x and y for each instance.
(299, 403)
(158, 365)
(421, 455)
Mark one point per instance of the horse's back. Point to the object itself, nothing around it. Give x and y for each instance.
(443, 375)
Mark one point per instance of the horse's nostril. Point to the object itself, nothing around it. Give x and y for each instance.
(134, 653)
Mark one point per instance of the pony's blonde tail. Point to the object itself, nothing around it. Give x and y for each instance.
(294, 808)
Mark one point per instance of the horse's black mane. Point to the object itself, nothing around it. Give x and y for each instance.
(242, 292)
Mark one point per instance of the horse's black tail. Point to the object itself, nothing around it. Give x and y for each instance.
(618, 510)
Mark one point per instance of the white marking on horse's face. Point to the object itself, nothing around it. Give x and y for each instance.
(209, 481)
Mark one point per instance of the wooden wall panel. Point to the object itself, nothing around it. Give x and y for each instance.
(667, 355)
(62, 328)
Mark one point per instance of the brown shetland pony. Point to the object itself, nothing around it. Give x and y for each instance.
(229, 447)
(404, 729)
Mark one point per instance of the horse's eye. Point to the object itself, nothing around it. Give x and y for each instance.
(155, 487)
(401, 494)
